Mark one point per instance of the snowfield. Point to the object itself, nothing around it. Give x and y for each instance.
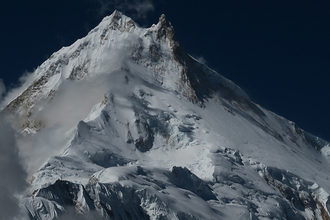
(141, 130)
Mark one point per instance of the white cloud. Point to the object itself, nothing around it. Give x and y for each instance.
(2, 88)
(35, 149)
(24, 81)
(202, 60)
(70, 104)
(137, 9)
(13, 176)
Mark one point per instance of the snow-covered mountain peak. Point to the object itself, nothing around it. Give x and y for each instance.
(118, 43)
(117, 15)
(117, 20)
(165, 25)
(165, 30)
(148, 132)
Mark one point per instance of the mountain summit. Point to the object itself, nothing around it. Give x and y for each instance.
(148, 132)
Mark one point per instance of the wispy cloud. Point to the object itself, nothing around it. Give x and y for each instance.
(35, 149)
(61, 38)
(2, 88)
(202, 60)
(137, 9)
(24, 81)
(72, 103)
(13, 176)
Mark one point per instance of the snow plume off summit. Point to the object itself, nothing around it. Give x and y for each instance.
(124, 124)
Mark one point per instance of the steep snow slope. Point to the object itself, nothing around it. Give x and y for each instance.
(166, 138)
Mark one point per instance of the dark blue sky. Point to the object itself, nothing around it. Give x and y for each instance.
(277, 51)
